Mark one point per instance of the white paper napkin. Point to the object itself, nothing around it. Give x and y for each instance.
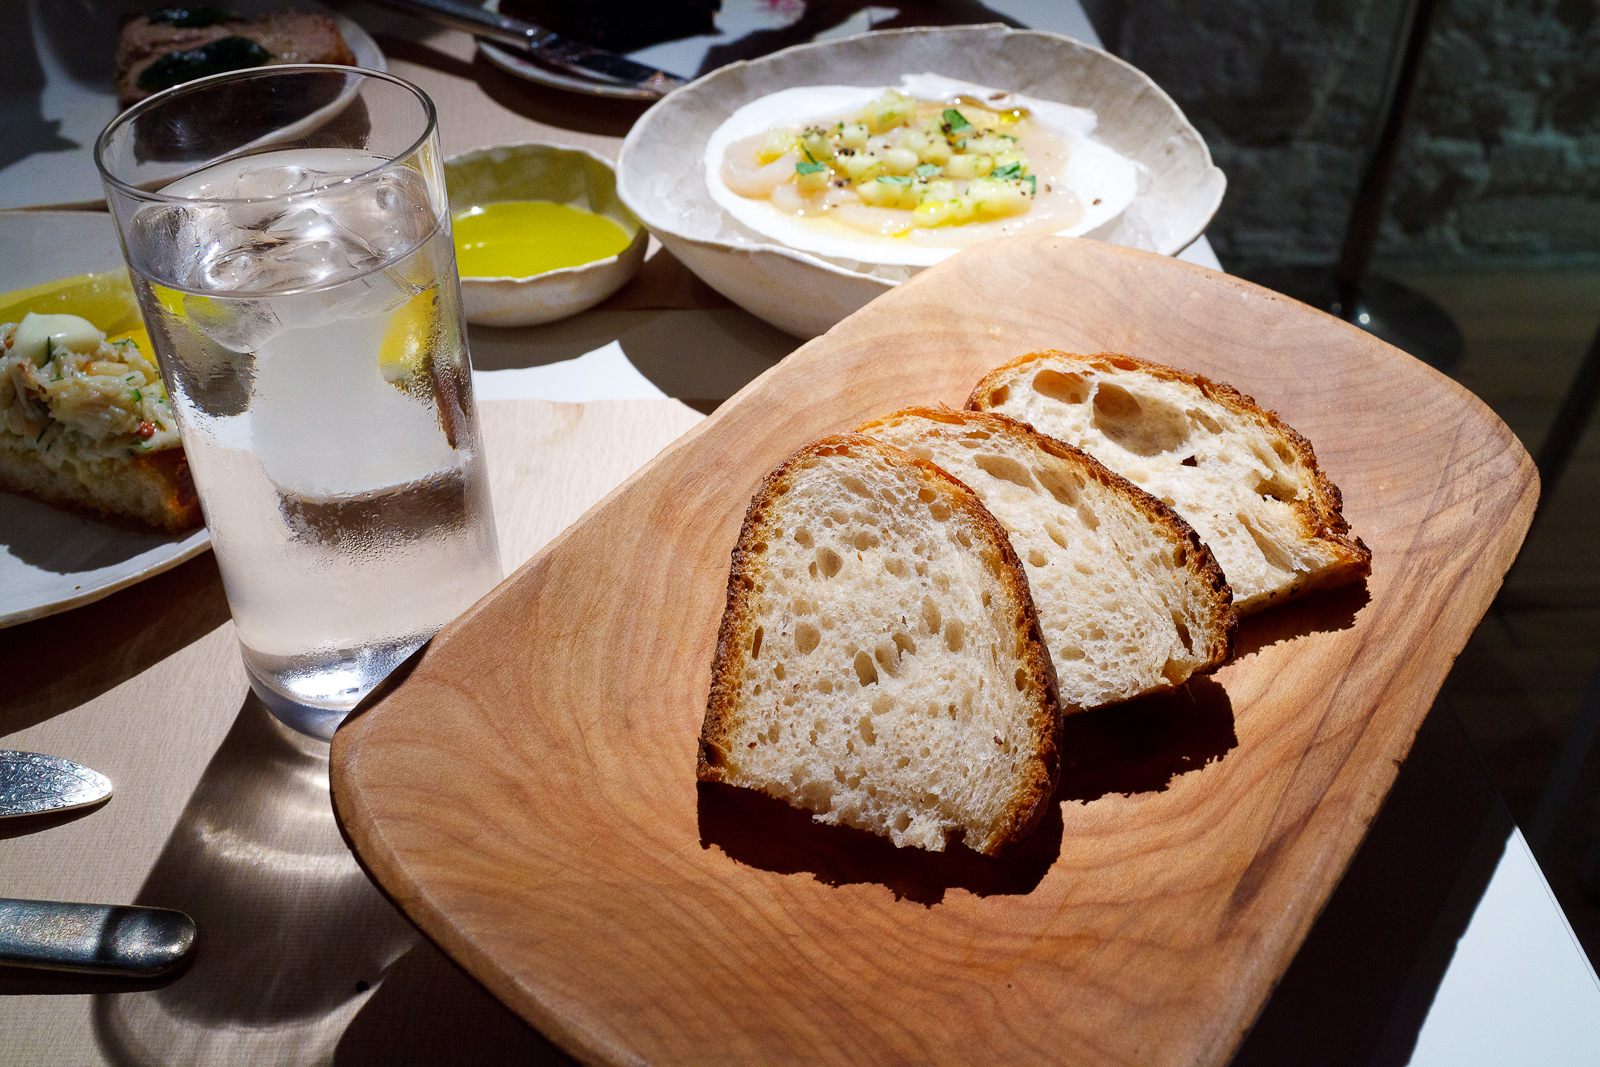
(604, 374)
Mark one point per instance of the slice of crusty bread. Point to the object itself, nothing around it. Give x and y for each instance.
(1246, 481)
(880, 662)
(155, 489)
(1129, 600)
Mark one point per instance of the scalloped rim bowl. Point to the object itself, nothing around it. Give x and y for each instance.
(534, 170)
(661, 177)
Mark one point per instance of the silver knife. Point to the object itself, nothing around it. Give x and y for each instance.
(32, 783)
(93, 938)
(547, 46)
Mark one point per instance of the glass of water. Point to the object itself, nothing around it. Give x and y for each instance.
(288, 235)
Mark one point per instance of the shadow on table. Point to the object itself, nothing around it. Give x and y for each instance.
(688, 354)
(758, 831)
(297, 949)
(27, 130)
(23, 825)
(65, 542)
(1320, 612)
(1142, 745)
(1138, 747)
(110, 641)
(1362, 983)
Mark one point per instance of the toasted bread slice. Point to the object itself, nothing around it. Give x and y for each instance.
(880, 662)
(1247, 482)
(85, 424)
(1129, 600)
(155, 490)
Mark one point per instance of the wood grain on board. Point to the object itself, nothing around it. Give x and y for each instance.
(527, 793)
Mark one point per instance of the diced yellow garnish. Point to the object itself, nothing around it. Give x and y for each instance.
(966, 166)
(814, 146)
(949, 166)
(811, 182)
(892, 109)
(889, 192)
(932, 213)
(779, 143)
(900, 161)
(997, 199)
(860, 168)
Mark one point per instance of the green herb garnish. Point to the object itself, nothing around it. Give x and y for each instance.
(213, 57)
(928, 170)
(197, 16)
(137, 396)
(1033, 183)
(896, 179)
(956, 120)
(44, 431)
(805, 166)
(1007, 172)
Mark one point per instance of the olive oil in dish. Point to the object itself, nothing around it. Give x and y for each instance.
(522, 238)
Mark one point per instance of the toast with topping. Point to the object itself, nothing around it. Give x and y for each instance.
(85, 424)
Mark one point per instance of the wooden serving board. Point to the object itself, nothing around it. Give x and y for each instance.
(527, 793)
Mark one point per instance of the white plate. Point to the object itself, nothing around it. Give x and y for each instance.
(52, 560)
(74, 46)
(661, 167)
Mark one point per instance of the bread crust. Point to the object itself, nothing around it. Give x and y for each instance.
(1198, 560)
(160, 480)
(1321, 517)
(1028, 803)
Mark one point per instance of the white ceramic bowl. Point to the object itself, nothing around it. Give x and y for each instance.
(536, 171)
(660, 174)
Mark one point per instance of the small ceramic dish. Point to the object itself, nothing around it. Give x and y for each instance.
(661, 176)
(534, 171)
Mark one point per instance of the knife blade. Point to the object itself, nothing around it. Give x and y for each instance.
(107, 939)
(547, 46)
(31, 783)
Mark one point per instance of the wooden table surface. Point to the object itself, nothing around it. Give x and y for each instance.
(221, 813)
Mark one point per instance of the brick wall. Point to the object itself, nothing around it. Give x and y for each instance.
(1501, 160)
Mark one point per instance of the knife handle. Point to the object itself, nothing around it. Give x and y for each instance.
(93, 938)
